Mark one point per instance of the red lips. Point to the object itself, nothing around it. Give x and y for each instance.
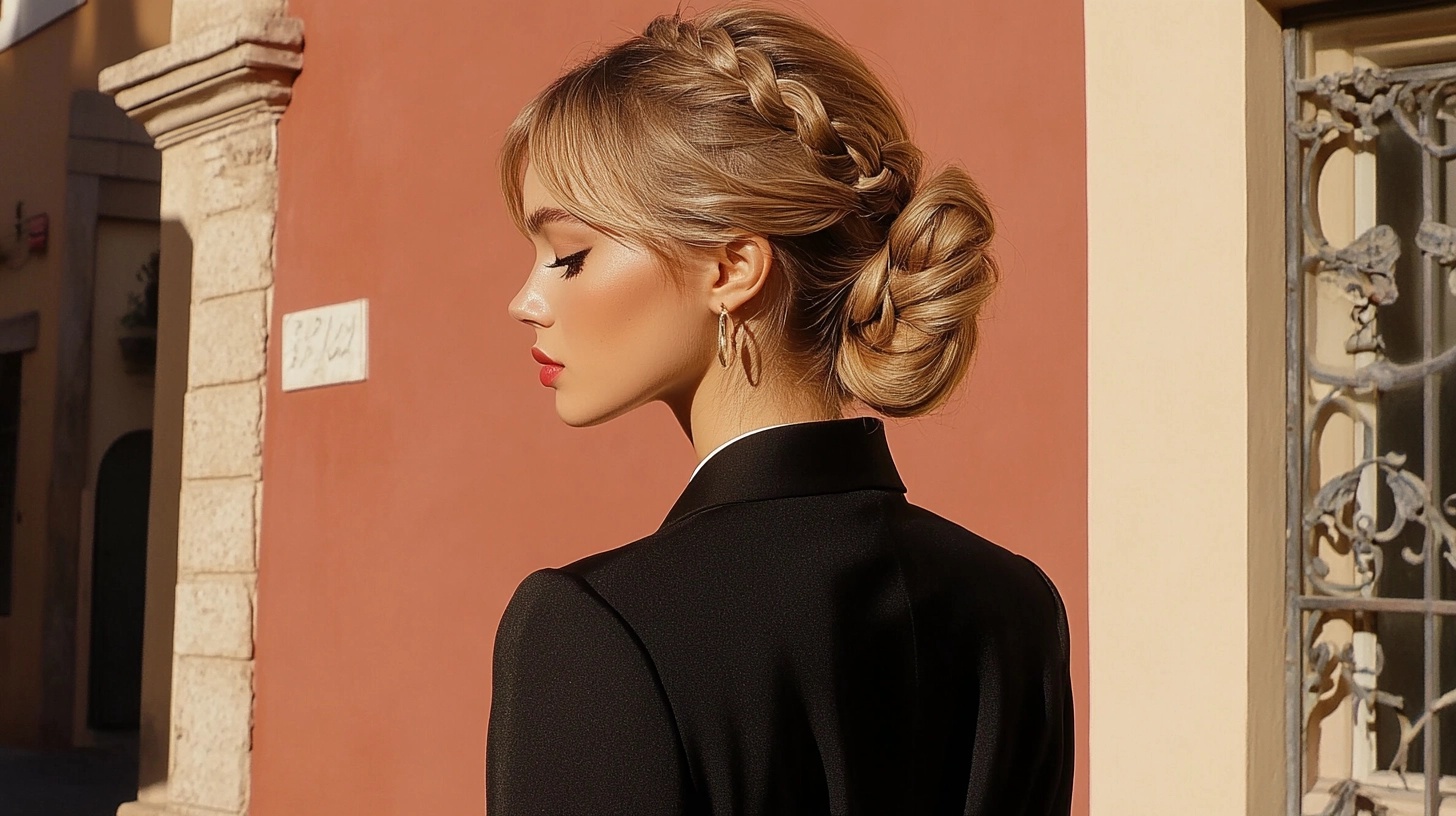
(550, 369)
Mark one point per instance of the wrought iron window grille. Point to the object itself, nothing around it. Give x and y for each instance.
(1371, 378)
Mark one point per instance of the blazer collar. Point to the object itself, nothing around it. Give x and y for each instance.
(804, 459)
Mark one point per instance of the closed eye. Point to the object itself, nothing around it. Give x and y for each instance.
(572, 263)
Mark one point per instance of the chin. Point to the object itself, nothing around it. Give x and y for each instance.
(582, 415)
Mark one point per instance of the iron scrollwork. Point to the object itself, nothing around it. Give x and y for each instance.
(1349, 108)
(1351, 111)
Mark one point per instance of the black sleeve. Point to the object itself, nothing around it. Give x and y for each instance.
(578, 722)
(1057, 761)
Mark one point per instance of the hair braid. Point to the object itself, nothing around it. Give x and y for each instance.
(848, 154)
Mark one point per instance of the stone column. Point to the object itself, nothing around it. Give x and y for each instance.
(212, 100)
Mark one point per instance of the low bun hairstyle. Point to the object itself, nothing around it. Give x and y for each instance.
(908, 327)
(752, 121)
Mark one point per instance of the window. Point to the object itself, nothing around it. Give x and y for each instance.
(1372, 414)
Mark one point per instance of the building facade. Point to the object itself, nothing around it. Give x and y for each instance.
(78, 322)
(1209, 401)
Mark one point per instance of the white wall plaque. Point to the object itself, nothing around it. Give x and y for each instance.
(326, 346)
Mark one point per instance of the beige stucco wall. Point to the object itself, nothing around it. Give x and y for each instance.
(121, 402)
(1185, 406)
(37, 78)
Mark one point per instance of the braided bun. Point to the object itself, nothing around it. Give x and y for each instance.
(909, 325)
(752, 121)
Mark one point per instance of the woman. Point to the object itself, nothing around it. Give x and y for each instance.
(729, 217)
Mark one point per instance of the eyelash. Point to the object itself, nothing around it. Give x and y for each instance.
(572, 263)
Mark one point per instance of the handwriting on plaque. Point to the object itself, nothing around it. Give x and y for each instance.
(326, 346)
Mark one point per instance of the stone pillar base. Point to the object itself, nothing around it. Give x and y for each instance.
(157, 809)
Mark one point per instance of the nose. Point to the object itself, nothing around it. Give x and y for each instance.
(529, 305)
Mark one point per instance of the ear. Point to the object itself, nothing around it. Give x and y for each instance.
(743, 267)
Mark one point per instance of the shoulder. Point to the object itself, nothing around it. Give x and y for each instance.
(1054, 608)
(560, 639)
(651, 564)
(578, 718)
(552, 612)
(546, 592)
(945, 562)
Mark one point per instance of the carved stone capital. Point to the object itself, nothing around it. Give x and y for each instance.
(230, 72)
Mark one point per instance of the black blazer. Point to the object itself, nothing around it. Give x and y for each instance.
(795, 639)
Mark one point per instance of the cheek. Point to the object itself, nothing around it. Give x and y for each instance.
(632, 315)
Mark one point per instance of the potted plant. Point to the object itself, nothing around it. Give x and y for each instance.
(138, 339)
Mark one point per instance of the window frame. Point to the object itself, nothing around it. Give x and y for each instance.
(1393, 43)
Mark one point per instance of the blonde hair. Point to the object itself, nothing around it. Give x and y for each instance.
(752, 121)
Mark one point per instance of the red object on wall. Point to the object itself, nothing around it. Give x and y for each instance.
(37, 233)
(401, 512)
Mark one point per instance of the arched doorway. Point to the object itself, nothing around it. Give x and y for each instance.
(118, 583)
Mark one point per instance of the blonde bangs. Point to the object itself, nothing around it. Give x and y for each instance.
(586, 144)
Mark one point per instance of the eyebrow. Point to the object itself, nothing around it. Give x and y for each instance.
(548, 215)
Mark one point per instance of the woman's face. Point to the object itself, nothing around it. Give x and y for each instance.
(622, 330)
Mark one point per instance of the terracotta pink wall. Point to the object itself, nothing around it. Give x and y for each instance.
(400, 513)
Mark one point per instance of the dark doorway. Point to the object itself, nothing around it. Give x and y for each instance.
(118, 583)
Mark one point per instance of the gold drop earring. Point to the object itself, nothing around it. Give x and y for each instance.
(723, 335)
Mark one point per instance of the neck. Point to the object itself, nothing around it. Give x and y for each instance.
(719, 409)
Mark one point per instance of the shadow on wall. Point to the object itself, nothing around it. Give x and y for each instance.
(174, 303)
